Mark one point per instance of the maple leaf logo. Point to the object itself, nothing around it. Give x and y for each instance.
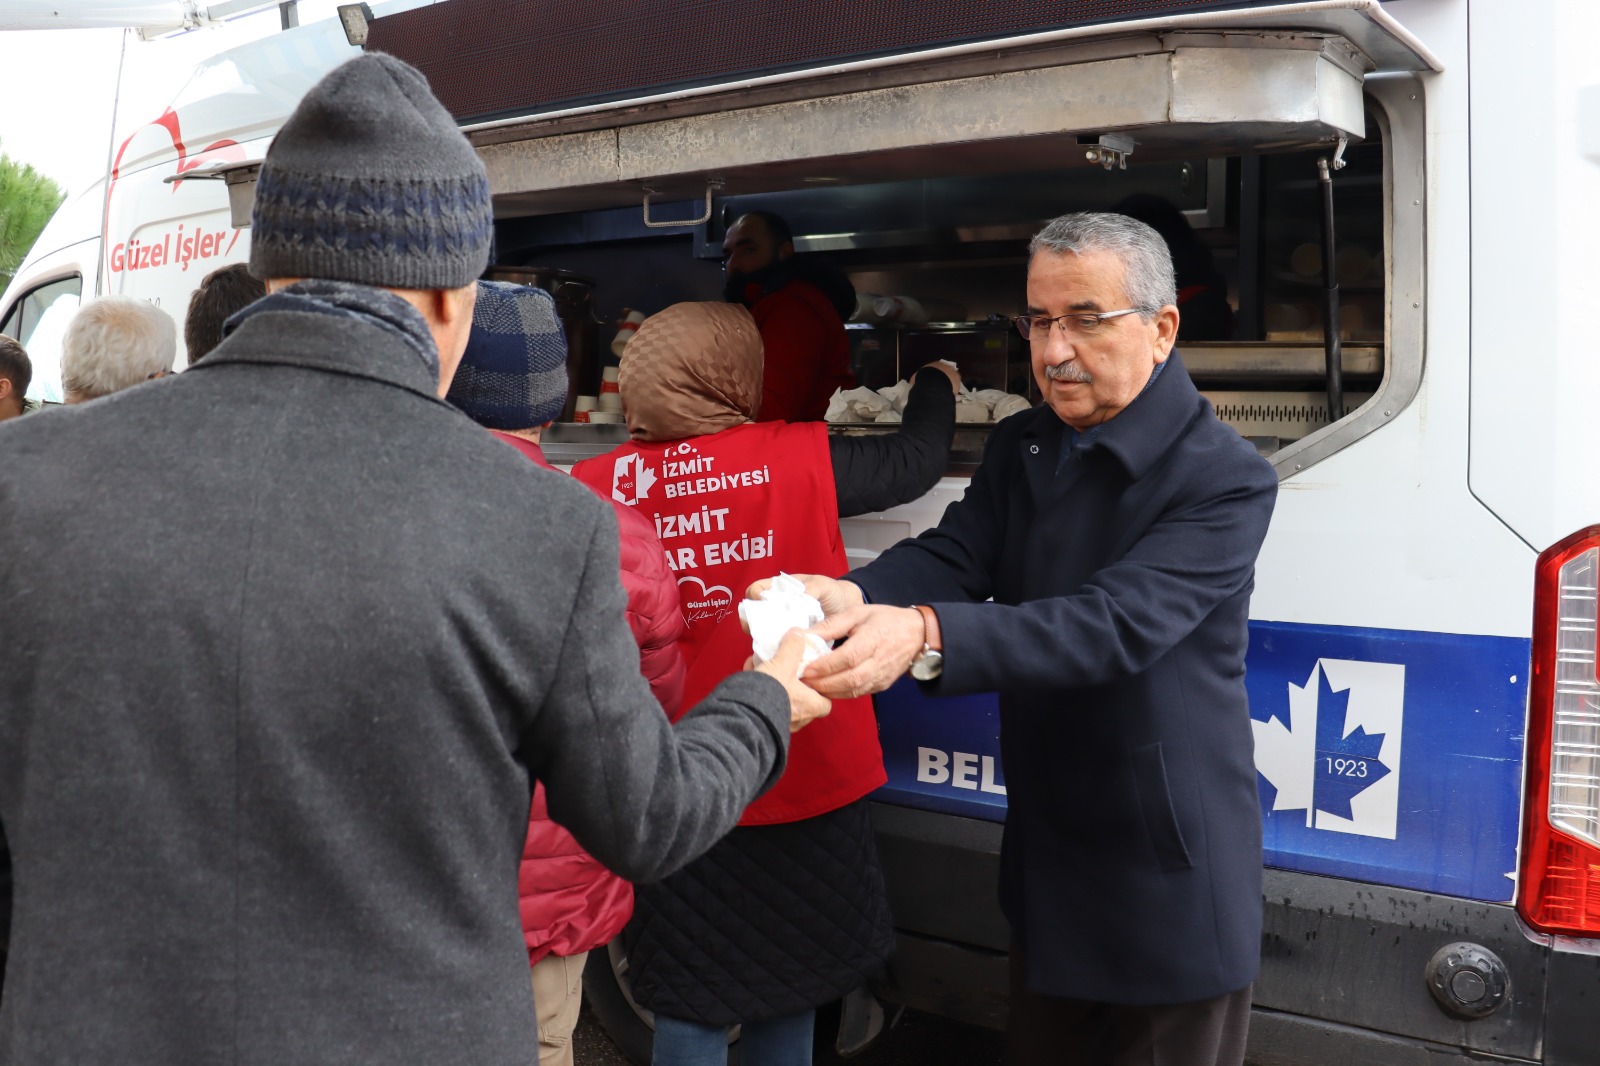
(1318, 755)
(1346, 764)
(631, 479)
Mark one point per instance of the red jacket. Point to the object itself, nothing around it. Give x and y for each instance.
(569, 902)
(806, 357)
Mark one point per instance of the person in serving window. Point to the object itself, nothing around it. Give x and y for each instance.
(800, 304)
(1205, 313)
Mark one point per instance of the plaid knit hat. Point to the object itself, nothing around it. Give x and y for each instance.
(371, 181)
(514, 372)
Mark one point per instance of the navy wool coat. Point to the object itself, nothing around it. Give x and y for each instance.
(1131, 866)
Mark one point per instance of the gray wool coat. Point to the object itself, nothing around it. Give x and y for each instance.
(282, 640)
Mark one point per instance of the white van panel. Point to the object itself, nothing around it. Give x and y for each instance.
(1388, 533)
(246, 93)
(1385, 535)
(163, 238)
(1535, 217)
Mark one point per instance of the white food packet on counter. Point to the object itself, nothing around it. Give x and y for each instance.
(838, 407)
(968, 410)
(1009, 406)
(856, 405)
(896, 395)
(785, 605)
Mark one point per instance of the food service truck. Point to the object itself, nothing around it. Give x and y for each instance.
(1400, 200)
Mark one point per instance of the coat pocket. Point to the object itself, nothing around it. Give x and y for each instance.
(1155, 803)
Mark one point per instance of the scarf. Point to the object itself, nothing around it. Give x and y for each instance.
(362, 303)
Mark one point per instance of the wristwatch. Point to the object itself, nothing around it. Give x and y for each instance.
(930, 663)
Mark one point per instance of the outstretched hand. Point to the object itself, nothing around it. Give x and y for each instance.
(805, 704)
(882, 642)
(834, 595)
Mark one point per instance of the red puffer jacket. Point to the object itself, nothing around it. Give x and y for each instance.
(570, 903)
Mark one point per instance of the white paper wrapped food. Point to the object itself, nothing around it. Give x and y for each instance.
(856, 405)
(970, 410)
(785, 605)
(895, 395)
(1009, 406)
(889, 416)
(838, 407)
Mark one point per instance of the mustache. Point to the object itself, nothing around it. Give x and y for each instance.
(1068, 371)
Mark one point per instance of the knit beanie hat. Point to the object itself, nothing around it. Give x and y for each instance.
(514, 372)
(370, 181)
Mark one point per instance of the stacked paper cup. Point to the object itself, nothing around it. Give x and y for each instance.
(581, 408)
(625, 331)
(610, 398)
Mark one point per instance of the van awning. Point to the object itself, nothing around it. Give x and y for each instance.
(489, 60)
(1176, 94)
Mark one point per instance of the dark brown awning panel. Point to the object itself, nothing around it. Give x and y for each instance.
(500, 58)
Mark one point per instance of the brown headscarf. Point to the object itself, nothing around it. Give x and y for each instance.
(691, 370)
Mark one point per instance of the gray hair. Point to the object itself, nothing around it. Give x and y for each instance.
(116, 342)
(1148, 276)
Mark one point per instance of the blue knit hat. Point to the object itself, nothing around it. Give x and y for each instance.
(514, 372)
(371, 181)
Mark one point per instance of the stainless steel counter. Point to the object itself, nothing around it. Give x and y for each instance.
(565, 443)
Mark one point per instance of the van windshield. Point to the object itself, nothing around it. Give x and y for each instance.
(38, 321)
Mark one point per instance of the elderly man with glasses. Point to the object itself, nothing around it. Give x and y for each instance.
(1097, 574)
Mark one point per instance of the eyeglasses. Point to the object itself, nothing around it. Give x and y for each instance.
(1083, 323)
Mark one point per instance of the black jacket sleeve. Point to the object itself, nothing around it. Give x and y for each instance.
(874, 473)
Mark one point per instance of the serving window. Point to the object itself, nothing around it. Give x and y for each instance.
(932, 227)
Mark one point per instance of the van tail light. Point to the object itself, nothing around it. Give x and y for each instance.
(1559, 880)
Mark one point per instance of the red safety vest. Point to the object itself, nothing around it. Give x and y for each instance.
(732, 508)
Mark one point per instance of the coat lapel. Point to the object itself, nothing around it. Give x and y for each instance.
(1137, 437)
(1157, 418)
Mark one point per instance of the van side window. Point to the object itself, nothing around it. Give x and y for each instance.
(37, 321)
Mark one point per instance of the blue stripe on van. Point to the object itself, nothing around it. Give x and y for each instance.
(1384, 756)
(1443, 817)
(937, 752)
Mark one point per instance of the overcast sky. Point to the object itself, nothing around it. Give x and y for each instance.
(61, 85)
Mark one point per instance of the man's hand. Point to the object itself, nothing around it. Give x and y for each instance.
(834, 595)
(805, 705)
(883, 641)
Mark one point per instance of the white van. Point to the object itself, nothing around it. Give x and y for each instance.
(1423, 662)
(159, 221)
